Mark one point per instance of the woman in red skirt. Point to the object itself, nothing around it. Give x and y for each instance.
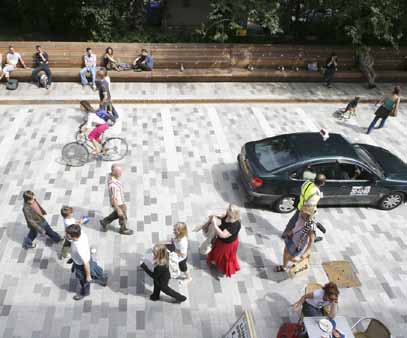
(224, 250)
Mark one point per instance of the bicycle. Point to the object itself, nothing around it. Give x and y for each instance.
(76, 154)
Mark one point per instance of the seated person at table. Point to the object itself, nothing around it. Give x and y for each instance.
(143, 62)
(313, 303)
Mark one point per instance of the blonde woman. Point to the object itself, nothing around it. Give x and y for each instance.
(179, 244)
(161, 274)
(224, 250)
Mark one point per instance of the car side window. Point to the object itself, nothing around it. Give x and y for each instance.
(329, 169)
(354, 172)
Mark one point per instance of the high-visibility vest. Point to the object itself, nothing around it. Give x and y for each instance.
(308, 190)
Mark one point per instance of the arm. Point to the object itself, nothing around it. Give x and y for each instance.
(333, 310)
(220, 233)
(86, 267)
(396, 107)
(22, 62)
(298, 304)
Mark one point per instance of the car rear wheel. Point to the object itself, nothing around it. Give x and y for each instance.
(391, 201)
(285, 204)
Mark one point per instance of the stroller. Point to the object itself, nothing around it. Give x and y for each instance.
(350, 110)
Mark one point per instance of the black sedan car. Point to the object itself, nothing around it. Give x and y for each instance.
(273, 170)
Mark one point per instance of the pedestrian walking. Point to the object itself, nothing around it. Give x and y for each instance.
(161, 274)
(86, 270)
(389, 106)
(310, 196)
(104, 94)
(179, 245)
(366, 65)
(312, 304)
(298, 241)
(116, 195)
(34, 216)
(41, 65)
(330, 69)
(224, 250)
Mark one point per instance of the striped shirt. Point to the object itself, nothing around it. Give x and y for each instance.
(115, 190)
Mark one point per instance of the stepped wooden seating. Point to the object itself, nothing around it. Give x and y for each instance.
(212, 62)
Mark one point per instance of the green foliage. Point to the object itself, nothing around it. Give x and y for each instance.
(226, 17)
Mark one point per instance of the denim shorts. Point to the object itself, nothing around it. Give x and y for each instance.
(292, 248)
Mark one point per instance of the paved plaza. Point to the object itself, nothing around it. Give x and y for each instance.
(182, 166)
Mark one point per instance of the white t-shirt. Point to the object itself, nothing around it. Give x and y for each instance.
(12, 59)
(181, 245)
(90, 61)
(318, 300)
(93, 119)
(69, 221)
(80, 251)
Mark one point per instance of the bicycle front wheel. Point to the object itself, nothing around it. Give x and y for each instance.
(115, 149)
(75, 154)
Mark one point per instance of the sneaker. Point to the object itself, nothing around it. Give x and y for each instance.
(103, 225)
(154, 299)
(78, 297)
(318, 239)
(94, 87)
(69, 261)
(32, 246)
(126, 231)
(181, 300)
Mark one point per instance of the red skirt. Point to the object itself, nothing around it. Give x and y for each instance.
(225, 256)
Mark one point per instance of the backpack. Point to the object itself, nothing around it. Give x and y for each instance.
(103, 114)
(12, 84)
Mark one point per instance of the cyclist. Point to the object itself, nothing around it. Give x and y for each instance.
(100, 118)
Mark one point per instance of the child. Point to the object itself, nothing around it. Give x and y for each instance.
(100, 118)
(179, 244)
(67, 215)
(161, 275)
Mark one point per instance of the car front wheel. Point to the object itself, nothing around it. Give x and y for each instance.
(391, 201)
(285, 204)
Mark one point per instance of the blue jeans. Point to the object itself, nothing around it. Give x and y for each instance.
(372, 125)
(92, 71)
(32, 234)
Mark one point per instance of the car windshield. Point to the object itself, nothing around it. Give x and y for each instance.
(366, 158)
(275, 153)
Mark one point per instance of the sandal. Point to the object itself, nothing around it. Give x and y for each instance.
(279, 268)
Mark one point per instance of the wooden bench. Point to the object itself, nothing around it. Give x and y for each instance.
(211, 62)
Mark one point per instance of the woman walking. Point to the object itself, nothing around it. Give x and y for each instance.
(161, 274)
(388, 107)
(224, 250)
(298, 242)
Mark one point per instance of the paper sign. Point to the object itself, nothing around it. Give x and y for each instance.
(242, 328)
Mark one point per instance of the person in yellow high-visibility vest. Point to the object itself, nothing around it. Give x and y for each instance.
(309, 197)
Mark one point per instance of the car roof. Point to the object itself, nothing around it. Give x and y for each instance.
(311, 146)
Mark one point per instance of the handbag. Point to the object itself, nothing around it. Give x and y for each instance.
(173, 265)
(299, 267)
(12, 84)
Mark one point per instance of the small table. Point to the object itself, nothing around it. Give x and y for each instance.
(313, 330)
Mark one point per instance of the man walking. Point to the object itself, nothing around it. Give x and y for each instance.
(41, 64)
(83, 266)
(116, 196)
(309, 197)
(104, 95)
(366, 63)
(34, 216)
(12, 60)
(89, 60)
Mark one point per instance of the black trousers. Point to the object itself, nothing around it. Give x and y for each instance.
(40, 68)
(167, 290)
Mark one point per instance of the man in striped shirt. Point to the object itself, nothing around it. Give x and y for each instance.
(116, 196)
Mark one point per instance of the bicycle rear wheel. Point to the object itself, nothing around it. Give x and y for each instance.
(75, 154)
(115, 149)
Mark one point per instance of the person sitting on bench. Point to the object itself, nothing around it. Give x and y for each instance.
(143, 62)
(12, 60)
(41, 66)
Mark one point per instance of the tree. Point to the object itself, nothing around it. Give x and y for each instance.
(228, 16)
